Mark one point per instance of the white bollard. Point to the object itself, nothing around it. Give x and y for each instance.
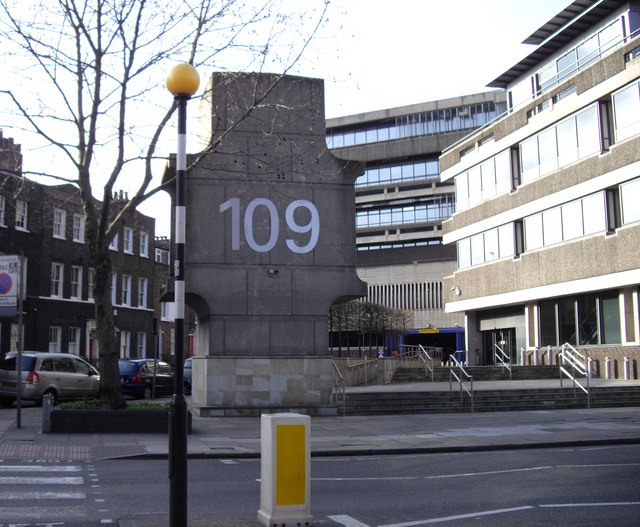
(522, 357)
(285, 470)
(550, 355)
(627, 374)
(535, 355)
(607, 368)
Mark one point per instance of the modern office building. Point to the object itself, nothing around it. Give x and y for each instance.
(46, 224)
(401, 203)
(547, 219)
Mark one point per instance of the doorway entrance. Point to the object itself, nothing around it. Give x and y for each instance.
(505, 338)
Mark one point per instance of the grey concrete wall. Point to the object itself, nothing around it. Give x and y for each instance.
(267, 143)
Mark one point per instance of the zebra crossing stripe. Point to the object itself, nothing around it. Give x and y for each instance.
(42, 512)
(40, 468)
(41, 480)
(42, 495)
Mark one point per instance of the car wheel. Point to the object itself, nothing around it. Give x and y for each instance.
(6, 402)
(148, 394)
(54, 397)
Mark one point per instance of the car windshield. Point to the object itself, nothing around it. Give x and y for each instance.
(127, 367)
(11, 363)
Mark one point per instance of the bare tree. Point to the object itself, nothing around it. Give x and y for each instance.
(85, 77)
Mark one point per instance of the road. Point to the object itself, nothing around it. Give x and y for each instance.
(551, 487)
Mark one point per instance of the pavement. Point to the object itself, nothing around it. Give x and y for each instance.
(234, 437)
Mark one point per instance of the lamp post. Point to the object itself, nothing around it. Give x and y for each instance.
(183, 81)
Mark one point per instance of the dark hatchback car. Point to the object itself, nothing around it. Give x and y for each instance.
(138, 377)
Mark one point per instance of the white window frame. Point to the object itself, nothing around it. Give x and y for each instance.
(76, 282)
(3, 205)
(57, 279)
(74, 340)
(59, 223)
(113, 246)
(126, 290)
(144, 244)
(143, 284)
(22, 215)
(141, 344)
(114, 287)
(78, 228)
(54, 339)
(127, 244)
(125, 344)
(91, 282)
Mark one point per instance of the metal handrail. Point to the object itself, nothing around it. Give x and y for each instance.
(339, 388)
(578, 362)
(365, 364)
(454, 363)
(423, 355)
(499, 358)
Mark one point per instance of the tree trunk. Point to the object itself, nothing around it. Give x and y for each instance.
(110, 390)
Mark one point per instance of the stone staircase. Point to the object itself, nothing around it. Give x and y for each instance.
(479, 373)
(402, 401)
(382, 403)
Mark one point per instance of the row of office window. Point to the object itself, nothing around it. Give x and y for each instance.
(572, 61)
(580, 135)
(596, 213)
(437, 208)
(409, 296)
(75, 289)
(398, 244)
(415, 171)
(432, 122)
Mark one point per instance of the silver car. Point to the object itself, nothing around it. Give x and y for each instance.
(62, 375)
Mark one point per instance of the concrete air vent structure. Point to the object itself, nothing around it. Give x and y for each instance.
(270, 246)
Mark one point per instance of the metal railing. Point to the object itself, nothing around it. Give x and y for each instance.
(366, 366)
(502, 359)
(426, 356)
(577, 361)
(339, 388)
(460, 376)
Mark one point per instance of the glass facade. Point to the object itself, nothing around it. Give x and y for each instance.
(399, 173)
(424, 123)
(591, 319)
(437, 208)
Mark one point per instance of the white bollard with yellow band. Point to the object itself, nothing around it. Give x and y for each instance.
(285, 470)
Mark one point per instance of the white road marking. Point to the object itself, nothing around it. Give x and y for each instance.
(39, 468)
(42, 512)
(611, 504)
(42, 495)
(43, 480)
(458, 517)
(489, 473)
(347, 521)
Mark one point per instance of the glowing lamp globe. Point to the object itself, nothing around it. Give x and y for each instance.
(183, 79)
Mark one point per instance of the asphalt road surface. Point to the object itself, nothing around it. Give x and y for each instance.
(550, 487)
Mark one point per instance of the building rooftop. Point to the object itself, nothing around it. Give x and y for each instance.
(552, 36)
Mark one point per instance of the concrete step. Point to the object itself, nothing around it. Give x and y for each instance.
(479, 373)
(383, 403)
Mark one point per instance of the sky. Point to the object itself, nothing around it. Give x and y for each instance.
(377, 54)
(382, 54)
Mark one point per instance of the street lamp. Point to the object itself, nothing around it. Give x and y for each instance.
(183, 81)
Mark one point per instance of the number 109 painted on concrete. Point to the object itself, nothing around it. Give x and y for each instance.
(312, 227)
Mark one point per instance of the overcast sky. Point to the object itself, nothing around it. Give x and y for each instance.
(378, 54)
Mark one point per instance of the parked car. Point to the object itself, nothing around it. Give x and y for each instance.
(187, 376)
(62, 375)
(137, 377)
